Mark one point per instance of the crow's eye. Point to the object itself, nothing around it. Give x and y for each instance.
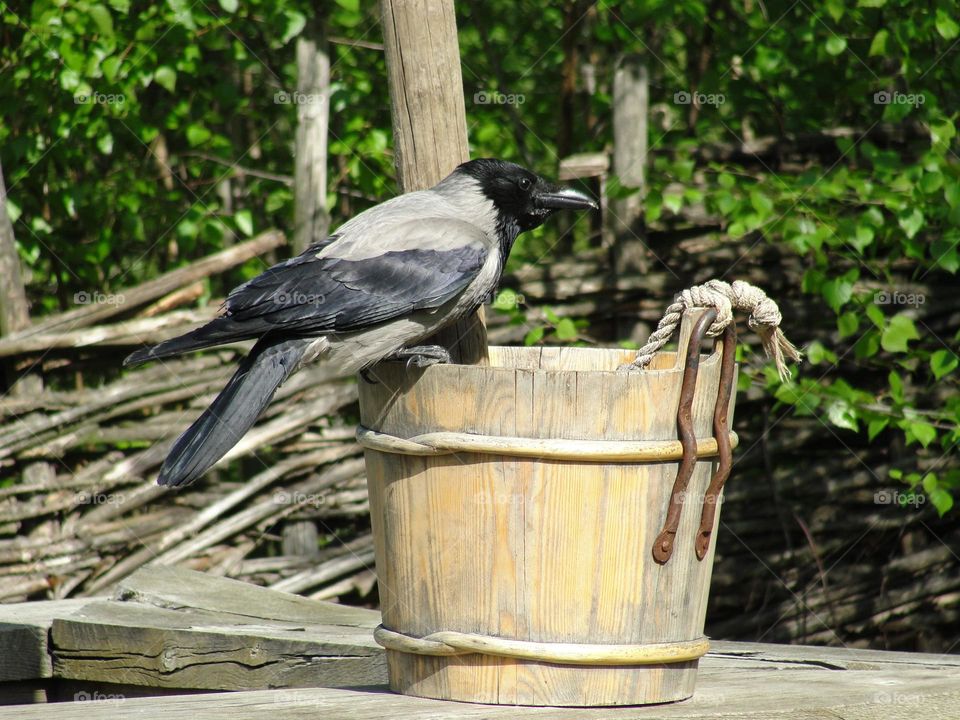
(524, 183)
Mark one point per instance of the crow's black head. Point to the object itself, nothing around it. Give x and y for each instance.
(523, 200)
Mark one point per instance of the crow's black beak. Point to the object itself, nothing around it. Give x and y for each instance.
(558, 198)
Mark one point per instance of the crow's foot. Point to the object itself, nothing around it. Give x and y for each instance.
(422, 356)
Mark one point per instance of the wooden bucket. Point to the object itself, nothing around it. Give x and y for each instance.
(516, 508)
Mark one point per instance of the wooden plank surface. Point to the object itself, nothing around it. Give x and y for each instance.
(175, 628)
(129, 643)
(180, 628)
(24, 630)
(748, 686)
(172, 587)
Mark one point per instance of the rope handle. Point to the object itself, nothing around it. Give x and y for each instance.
(764, 318)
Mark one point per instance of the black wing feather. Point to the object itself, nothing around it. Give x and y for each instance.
(329, 295)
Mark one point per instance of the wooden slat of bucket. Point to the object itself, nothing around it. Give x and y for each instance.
(536, 551)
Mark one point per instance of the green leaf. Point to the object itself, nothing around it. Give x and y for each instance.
(835, 45)
(229, 6)
(876, 426)
(817, 353)
(197, 134)
(911, 222)
(942, 500)
(871, 3)
(898, 333)
(896, 386)
(925, 433)
(951, 193)
(941, 133)
(111, 67)
(848, 324)
(761, 203)
(534, 336)
(103, 20)
(863, 237)
(931, 182)
(835, 9)
(876, 316)
(879, 44)
(943, 362)
(841, 414)
(349, 5)
(13, 210)
(166, 77)
(296, 21)
(105, 143)
(566, 330)
(837, 292)
(946, 25)
(673, 202)
(244, 221)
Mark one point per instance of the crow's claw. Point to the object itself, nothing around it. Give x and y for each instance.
(422, 356)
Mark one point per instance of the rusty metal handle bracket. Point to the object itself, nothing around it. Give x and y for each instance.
(663, 545)
(721, 429)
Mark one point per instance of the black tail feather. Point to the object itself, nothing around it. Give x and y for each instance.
(232, 414)
(218, 331)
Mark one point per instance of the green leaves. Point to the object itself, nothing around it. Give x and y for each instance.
(898, 333)
(244, 221)
(835, 45)
(838, 291)
(911, 221)
(166, 77)
(943, 362)
(946, 25)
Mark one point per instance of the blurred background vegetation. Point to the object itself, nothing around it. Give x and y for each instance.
(137, 137)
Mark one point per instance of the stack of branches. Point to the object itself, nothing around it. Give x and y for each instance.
(94, 513)
(803, 547)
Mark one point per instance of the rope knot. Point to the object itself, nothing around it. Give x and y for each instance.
(763, 317)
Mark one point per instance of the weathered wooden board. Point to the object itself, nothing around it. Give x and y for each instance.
(118, 642)
(24, 629)
(749, 685)
(172, 587)
(185, 630)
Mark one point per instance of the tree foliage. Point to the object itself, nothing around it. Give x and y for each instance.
(139, 136)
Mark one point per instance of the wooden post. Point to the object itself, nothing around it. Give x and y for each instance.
(14, 310)
(630, 103)
(429, 122)
(15, 316)
(311, 222)
(631, 99)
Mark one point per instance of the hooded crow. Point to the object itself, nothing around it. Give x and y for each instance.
(385, 280)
